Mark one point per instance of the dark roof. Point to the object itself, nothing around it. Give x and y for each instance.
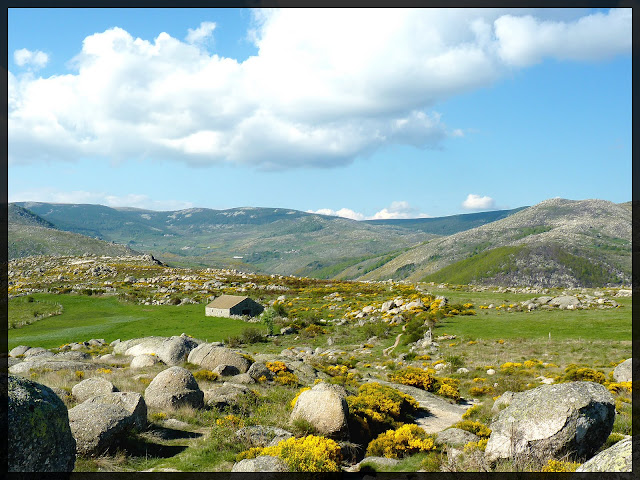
(226, 301)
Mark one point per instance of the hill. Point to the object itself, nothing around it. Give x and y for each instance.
(267, 240)
(557, 242)
(450, 224)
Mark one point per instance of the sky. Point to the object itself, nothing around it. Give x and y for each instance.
(365, 113)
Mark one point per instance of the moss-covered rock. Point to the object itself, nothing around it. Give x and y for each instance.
(616, 458)
(39, 436)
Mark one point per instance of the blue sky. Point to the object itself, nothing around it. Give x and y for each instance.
(366, 114)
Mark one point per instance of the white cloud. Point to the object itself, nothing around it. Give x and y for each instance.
(50, 195)
(343, 212)
(307, 98)
(200, 34)
(476, 202)
(395, 210)
(36, 59)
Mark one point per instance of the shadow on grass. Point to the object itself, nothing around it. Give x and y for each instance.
(147, 444)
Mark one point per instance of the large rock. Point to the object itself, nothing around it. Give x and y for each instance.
(565, 301)
(39, 437)
(616, 458)
(264, 463)
(571, 419)
(97, 427)
(143, 361)
(258, 370)
(325, 408)
(622, 373)
(210, 356)
(19, 350)
(226, 395)
(91, 387)
(172, 350)
(130, 401)
(455, 437)
(173, 388)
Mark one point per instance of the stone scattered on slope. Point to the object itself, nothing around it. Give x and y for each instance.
(365, 464)
(53, 364)
(39, 437)
(262, 436)
(130, 401)
(173, 388)
(617, 458)
(19, 350)
(209, 356)
(263, 463)
(622, 373)
(552, 421)
(258, 370)
(37, 352)
(97, 427)
(325, 408)
(91, 387)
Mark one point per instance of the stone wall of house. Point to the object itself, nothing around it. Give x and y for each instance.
(247, 304)
(217, 312)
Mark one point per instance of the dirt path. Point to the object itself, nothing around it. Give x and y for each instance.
(441, 414)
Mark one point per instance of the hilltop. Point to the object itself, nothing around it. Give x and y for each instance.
(557, 242)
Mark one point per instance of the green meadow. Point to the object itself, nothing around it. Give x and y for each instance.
(87, 317)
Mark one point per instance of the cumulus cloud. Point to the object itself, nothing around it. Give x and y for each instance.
(397, 209)
(343, 212)
(50, 195)
(202, 33)
(305, 99)
(36, 59)
(476, 202)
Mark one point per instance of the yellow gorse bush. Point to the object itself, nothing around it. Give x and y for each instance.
(381, 407)
(560, 466)
(306, 454)
(406, 440)
(104, 370)
(479, 445)
(619, 387)
(476, 428)
(416, 377)
(277, 366)
(230, 421)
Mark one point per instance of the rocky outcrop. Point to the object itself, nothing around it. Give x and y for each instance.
(325, 408)
(39, 437)
(130, 401)
(571, 419)
(143, 361)
(173, 388)
(616, 458)
(97, 427)
(91, 387)
(50, 363)
(210, 356)
(622, 373)
(263, 463)
(258, 370)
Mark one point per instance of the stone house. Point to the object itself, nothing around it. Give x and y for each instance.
(230, 305)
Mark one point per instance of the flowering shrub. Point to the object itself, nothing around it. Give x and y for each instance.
(336, 370)
(378, 407)
(573, 373)
(484, 390)
(510, 367)
(532, 363)
(479, 445)
(230, 421)
(619, 387)
(449, 391)
(104, 370)
(413, 376)
(79, 374)
(276, 367)
(476, 428)
(207, 375)
(406, 440)
(306, 454)
(479, 380)
(286, 378)
(471, 411)
(560, 466)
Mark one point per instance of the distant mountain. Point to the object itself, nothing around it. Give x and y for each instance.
(557, 242)
(29, 234)
(447, 225)
(268, 240)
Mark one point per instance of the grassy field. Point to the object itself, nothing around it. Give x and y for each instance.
(85, 317)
